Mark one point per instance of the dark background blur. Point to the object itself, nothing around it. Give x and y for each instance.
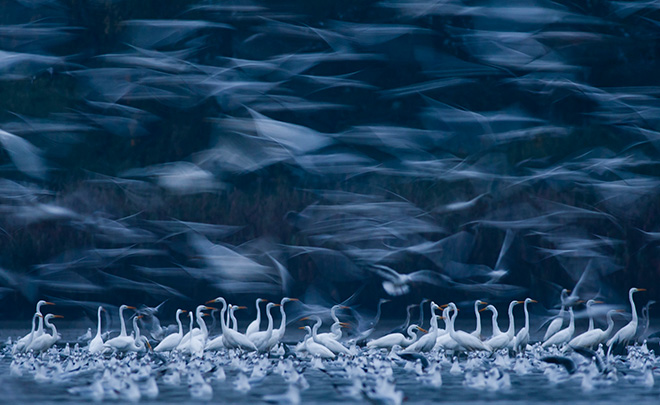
(251, 115)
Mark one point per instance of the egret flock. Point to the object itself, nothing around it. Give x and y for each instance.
(360, 364)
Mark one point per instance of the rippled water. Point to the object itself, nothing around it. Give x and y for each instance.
(328, 386)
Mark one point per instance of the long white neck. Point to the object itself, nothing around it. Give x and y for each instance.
(234, 325)
(192, 325)
(34, 323)
(591, 318)
(98, 326)
(282, 329)
(526, 315)
(122, 323)
(512, 326)
(452, 319)
(200, 320)
(136, 329)
(178, 321)
(477, 314)
(635, 320)
(412, 334)
(53, 329)
(496, 327)
(40, 329)
(223, 325)
(258, 318)
(316, 327)
(610, 323)
(571, 325)
(269, 331)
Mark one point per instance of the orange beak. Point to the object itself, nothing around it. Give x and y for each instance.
(50, 303)
(422, 329)
(130, 307)
(210, 308)
(58, 316)
(210, 301)
(303, 319)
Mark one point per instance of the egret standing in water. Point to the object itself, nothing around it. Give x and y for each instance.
(96, 344)
(46, 341)
(627, 333)
(173, 340)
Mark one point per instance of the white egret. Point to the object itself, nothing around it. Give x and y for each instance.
(564, 335)
(444, 340)
(278, 333)
(594, 337)
(522, 338)
(261, 339)
(393, 339)
(40, 330)
(477, 314)
(123, 341)
(256, 324)
(231, 338)
(558, 322)
(45, 341)
(335, 330)
(135, 344)
(503, 340)
(202, 331)
(627, 333)
(192, 344)
(468, 341)
(426, 342)
(173, 340)
(495, 326)
(24, 342)
(327, 339)
(590, 315)
(96, 344)
(314, 348)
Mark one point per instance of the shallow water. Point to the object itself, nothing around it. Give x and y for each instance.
(328, 386)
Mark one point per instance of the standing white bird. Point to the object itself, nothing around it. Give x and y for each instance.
(522, 338)
(564, 335)
(261, 339)
(394, 339)
(45, 341)
(192, 344)
(427, 342)
(468, 341)
(558, 322)
(314, 348)
(96, 344)
(256, 324)
(21, 343)
(495, 325)
(590, 315)
(123, 341)
(173, 340)
(201, 332)
(594, 337)
(278, 334)
(627, 333)
(327, 339)
(477, 314)
(230, 338)
(503, 340)
(24, 342)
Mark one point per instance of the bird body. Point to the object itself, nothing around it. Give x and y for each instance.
(628, 332)
(96, 344)
(45, 341)
(594, 337)
(522, 338)
(504, 339)
(564, 335)
(393, 339)
(173, 340)
(466, 340)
